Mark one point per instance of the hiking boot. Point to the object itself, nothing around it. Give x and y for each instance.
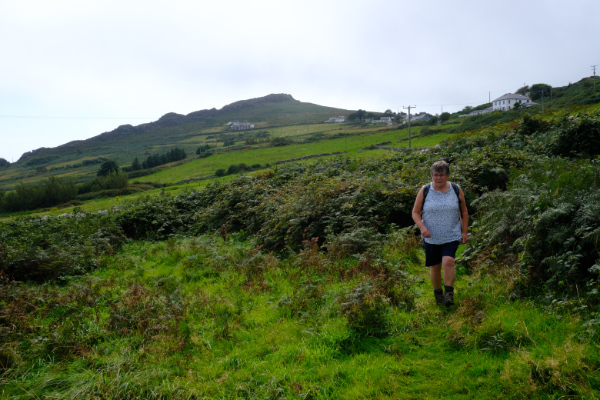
(439, 298)
(449, 299)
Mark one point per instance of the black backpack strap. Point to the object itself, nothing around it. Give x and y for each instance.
(457, 191)
(425, 191)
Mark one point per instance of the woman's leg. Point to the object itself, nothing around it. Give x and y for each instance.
(435, 275)
(449, 271)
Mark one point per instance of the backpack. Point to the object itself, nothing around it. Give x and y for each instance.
(454, 187)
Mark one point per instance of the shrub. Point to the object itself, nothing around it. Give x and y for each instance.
(554, 225)
(50, 193)
(578, 135)
(55, 247)
(531, 124)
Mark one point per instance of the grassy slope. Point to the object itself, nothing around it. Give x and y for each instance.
(351, 144)
(185, 132)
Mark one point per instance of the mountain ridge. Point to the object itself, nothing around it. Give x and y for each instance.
(170, 119)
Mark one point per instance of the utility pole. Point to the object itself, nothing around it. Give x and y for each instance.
(409, 138)
(594, 69)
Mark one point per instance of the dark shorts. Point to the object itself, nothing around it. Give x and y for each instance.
(435, 252)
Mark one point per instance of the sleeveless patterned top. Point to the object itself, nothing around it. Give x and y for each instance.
(441, 216)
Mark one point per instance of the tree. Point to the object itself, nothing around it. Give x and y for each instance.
(444, 117)
(433, 120)
(388, 113)
(202, 149)
(4, 163)
(358, 115)
(536, 91)
(107, 167)
(523, 90)
(517, 105)
(114, 180)
(136, 166)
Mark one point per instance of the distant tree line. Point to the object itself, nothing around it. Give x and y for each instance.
(55, 191)
(156, 159)
(47, 194)
(239, 168)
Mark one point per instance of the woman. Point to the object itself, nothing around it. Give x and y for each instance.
(441, 214)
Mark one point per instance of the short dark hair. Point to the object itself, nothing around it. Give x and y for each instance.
(440, 166)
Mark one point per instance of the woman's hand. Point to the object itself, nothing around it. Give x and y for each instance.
(425, 232)
(465, 238)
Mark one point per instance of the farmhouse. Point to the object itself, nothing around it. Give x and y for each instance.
(507, 102)
(240, 126)
(339, 119)
(382, 120)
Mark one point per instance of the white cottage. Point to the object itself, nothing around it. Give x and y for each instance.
(507, 102)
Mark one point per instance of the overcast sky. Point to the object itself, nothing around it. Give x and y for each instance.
(70, 70)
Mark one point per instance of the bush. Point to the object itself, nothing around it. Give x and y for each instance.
(50, 193)
(281, 141)
(553, 226)
(577, 136)
(53, 247)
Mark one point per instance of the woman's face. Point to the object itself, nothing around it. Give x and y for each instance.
(439, 178)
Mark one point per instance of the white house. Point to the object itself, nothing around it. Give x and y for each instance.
(507, 102)
(240, 126)
(339, 119)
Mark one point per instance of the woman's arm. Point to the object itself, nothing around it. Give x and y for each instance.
(416, 215)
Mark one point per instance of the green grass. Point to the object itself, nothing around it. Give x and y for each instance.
(352, 143)
(233, 334)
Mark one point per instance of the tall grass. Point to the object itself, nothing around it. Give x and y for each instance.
(205, 318)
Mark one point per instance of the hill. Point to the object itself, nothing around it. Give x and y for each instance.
(78, 159)
(275, 116)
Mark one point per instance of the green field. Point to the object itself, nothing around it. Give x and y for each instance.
(269, 155)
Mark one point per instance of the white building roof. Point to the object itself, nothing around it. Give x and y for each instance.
(513, 96)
